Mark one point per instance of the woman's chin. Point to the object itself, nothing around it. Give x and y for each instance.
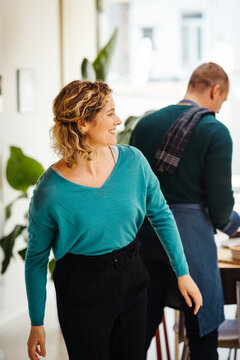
(113, 141)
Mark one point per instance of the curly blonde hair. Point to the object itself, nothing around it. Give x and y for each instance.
(77, 102)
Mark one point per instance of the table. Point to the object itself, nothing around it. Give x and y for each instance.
(230, 273)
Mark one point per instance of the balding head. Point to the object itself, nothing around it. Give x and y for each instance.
(206, 76)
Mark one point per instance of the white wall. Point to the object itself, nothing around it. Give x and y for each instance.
(29, 39)
(1, 125)
(79, 29)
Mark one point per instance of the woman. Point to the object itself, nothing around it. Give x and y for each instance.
(88, 208)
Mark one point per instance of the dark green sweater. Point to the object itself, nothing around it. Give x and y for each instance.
(204, 171)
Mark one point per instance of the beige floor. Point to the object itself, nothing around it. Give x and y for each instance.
(13, 338)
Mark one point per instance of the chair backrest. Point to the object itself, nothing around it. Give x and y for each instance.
(230, 276)
(238, 307)
(182, 329)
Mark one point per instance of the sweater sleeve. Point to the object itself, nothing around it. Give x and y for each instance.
(41, 232)
(217, 178)
(162, 220)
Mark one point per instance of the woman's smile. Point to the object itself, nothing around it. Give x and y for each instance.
(113, 132)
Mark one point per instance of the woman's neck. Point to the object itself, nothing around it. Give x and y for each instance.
(101, 157)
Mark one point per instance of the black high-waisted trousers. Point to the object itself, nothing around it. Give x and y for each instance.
(101, 303)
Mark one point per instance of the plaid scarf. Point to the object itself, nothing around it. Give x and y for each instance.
(176, 139)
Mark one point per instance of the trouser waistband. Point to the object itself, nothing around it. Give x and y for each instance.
(188, 206)
(117, 258)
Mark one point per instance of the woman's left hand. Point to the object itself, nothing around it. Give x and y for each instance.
(190, 292)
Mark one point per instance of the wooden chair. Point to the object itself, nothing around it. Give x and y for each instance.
(229, 330)
(158, 341)
(180, 336)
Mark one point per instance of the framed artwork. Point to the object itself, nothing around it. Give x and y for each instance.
(1, 104)
(26, 90)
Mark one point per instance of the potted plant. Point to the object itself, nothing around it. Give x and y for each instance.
(123, 136)
(22, 172)
(98, 70)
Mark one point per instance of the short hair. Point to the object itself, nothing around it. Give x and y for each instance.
(208, 75)
(77, 102)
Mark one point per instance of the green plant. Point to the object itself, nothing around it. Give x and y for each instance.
(123, 136)
(98, 70)
(22, 172)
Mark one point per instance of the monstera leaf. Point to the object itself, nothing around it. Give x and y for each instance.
(22, 171)
(124, 136)
(88, 72)
(103, 60)
(8, 209)
(7, 243)
(98, 70)
(51, 266)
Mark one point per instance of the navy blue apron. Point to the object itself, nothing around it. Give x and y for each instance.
(197, 234)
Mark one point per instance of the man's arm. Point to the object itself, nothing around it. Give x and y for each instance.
(218, 182)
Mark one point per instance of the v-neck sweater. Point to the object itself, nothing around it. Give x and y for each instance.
(72, 218)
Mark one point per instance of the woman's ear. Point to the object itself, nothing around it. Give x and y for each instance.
(82, 126)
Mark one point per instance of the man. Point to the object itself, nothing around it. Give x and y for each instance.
(190, 152)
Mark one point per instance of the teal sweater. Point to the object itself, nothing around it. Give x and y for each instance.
(204, 172)
(72, 218)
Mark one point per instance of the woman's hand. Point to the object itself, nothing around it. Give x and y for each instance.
(36, 343)
(190, 290)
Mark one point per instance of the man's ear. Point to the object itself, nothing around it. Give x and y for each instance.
(214, 91)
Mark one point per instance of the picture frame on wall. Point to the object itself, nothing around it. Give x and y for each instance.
(26, 90)
(1, 103)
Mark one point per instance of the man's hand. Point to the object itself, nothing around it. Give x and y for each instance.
(236, 235)
(36, 343)
(190, 290)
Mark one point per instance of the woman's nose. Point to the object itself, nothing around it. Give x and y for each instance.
(118, 121)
